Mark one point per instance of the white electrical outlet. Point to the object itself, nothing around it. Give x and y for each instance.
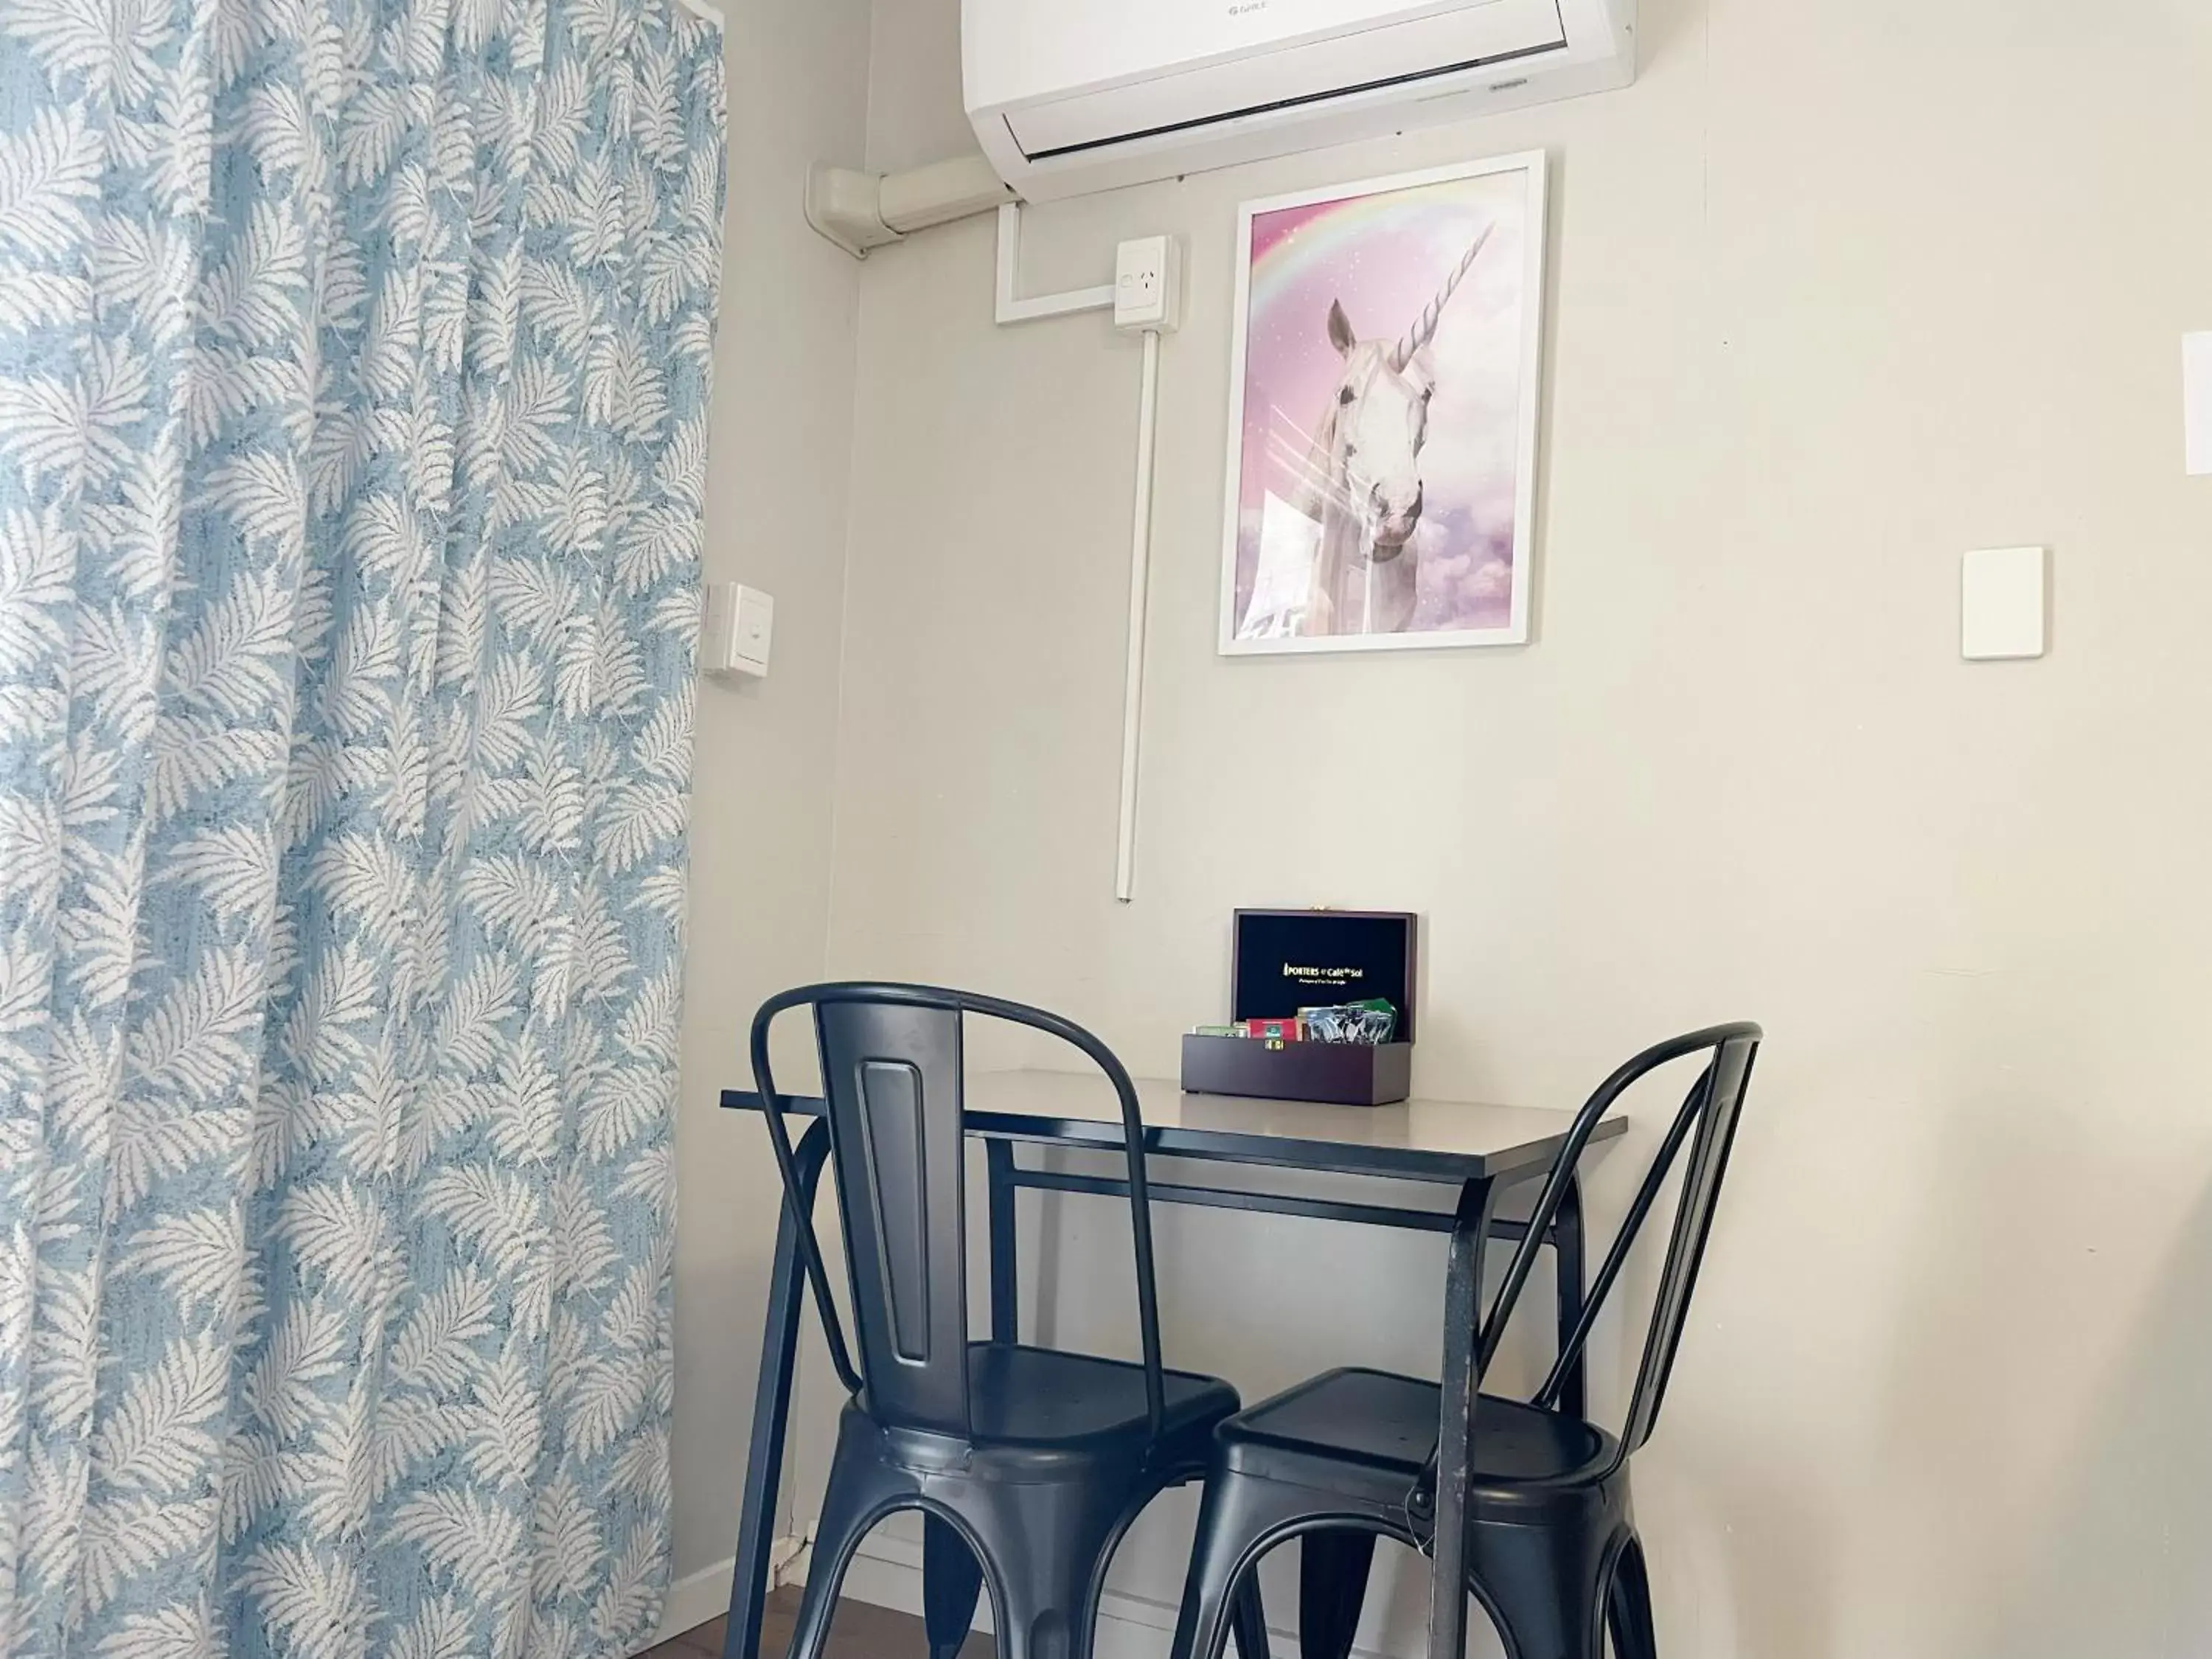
(1148, 285)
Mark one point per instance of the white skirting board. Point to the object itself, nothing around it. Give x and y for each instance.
(701, 1597)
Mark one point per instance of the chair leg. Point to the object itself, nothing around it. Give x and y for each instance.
(1545, 1590)
(1239, 1511)
(857, 1491)
(1628, 1610)
(1249, 1616)
(1333, 1573)
(1045, 1545)
(951, 1583)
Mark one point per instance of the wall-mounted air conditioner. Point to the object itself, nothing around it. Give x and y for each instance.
(1075, 96)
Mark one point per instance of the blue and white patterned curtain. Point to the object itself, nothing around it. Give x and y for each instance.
(354, 361)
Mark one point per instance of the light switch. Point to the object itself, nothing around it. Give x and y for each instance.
(2196, 401)
(2004, 603)
(756, 620)
(739, 623)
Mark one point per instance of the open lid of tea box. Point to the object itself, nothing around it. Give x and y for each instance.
(1286, 960)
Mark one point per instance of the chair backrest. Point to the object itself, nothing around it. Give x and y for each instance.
(892, 1076)
(1706, 1124)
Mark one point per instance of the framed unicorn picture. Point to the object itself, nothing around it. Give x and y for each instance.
(1385, 381)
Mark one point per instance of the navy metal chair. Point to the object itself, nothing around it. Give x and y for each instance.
(1551, 1548)
(1027, 1464)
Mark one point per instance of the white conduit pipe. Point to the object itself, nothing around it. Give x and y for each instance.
(1141, 560)
(860, 211)
(1011, 310)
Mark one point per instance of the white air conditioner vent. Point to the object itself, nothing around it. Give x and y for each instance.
(1075, 96)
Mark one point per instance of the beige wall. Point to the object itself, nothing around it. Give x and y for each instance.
(760, 875)
(1841, 289)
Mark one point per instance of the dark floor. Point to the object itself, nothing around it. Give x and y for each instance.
(859, 1632)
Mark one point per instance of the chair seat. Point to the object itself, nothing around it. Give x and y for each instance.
(1042, 1397)
(1386, 1423)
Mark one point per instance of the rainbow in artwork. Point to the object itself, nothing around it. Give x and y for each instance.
(1386, 396)
(1291, 240)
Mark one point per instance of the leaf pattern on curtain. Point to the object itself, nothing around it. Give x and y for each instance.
(354, 368)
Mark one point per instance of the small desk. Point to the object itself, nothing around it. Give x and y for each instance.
(1480, 1149)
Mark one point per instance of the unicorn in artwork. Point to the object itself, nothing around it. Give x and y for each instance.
(1362, 477)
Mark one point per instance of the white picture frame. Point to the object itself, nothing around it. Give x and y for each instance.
(1287, 479)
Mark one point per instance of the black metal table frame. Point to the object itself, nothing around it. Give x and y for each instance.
(1471, 1222)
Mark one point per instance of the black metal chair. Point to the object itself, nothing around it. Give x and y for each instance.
(1552, 1550)
(1027, 1464)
